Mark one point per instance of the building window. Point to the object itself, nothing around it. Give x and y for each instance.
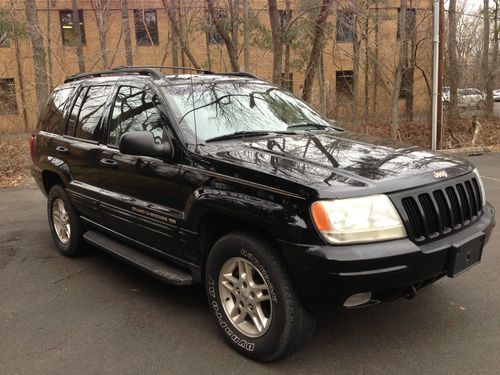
(344, 84)
(213, 35)
(287, 81)
(285, 17)
(146, 27)
(68, 35)
(345, 26)
(4, 40)
(8, 103)
(411, 23)
(406, 83)
(4, 35)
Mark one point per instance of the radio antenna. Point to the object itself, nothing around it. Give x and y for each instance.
(194, 117)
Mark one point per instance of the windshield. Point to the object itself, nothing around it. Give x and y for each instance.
(225, 108)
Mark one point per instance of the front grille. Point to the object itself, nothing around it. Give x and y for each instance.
(435, 211)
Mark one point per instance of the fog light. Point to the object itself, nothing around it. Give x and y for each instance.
(358, 299)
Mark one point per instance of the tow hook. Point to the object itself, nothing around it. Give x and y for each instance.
(411, 293)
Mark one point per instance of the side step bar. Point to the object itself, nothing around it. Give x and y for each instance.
(159, 269)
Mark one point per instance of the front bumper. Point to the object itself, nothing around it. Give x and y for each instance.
(330, 274)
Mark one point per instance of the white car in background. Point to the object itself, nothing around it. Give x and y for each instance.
(467, 98)
(496, 95)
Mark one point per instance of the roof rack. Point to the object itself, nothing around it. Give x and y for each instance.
(118, 70)
(236, 74)
(150, 70)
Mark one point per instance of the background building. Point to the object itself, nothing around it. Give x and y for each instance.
(355, 76)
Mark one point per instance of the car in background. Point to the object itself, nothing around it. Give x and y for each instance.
(467, 98)
(496, 95)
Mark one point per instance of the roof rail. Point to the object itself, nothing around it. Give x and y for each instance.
(116, 71)
(236, 74)
(204, 71)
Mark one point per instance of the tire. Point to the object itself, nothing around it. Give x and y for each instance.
(71, 244)
(289, 324)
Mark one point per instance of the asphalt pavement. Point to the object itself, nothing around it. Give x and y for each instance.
(97, 315)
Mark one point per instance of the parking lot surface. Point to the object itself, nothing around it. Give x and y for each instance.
(97, 315)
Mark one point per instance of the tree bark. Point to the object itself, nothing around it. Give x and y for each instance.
(286, 64)
(228, 41)
(453, 73)
(399, 70)
(178, 34)
(485, 66)
(41, 86)
(277, 40)
(49, 46)
(246, 37)
(317, 46)
(100, 12)
(126, 32)
(77, 36)
(356, 44)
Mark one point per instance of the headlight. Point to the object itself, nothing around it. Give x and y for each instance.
(364, 219)
(481, 186)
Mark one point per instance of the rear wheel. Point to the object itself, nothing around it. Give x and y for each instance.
(253, 300)
(64, 223)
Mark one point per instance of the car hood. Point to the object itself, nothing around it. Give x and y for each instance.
(334, 164)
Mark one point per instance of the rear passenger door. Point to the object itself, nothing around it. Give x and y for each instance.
(79, 147)
(140, 196)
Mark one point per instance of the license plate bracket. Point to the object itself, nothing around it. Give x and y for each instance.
(465, 255)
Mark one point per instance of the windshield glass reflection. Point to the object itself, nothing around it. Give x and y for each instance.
(222, 108)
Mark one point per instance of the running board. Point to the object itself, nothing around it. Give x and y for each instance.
(158, 268)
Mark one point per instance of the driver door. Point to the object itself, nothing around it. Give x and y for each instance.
(140, 195)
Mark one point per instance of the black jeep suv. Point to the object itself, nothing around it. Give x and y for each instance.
(234, 183)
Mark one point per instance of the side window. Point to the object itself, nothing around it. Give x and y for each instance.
(134, 110)
(53, 114)
(89, 120)
(73, 116)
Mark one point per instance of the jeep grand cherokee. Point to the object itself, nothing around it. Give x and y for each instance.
(234, 183)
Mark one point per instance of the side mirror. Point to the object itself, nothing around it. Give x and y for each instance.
(143, 143)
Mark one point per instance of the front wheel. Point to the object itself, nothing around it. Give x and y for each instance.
(253, 300)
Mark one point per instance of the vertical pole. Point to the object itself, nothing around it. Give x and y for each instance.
(435, 73)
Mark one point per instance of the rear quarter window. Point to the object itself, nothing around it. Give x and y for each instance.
(52, 116)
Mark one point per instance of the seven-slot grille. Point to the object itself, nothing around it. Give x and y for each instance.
(439, 210)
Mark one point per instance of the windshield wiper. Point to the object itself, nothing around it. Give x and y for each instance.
(247, 133)
(313, 125)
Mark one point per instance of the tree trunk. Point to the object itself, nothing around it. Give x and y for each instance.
(453, 73)
(399, 70)
(126, 32)
(355, 61)
(277, 41)
(228, 41)
(41, 86)
(286, 66)
(246, 37)
(321, 84)
(20, 80)
(367, 67)
(317, 46)
(485, 63)
(496, 31)
(177, 33)
(100, 12)
(376, 57)
(49, 46)
(77, 36)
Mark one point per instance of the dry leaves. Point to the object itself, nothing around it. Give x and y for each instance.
(14, 159)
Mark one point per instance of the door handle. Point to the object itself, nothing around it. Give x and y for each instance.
(62, 150)
(108, 163)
